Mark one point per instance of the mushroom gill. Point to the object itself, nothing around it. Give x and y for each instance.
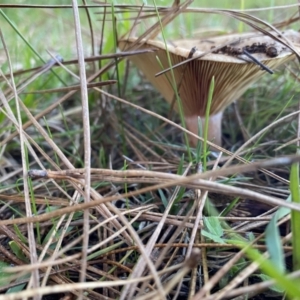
(227, 61)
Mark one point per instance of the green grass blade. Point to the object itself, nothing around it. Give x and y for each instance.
(273, 243)
(291, 286)
(295, 216)
(208, 105)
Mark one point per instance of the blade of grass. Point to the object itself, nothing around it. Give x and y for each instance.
(209, 100)
(291, 286)
(273, 240)
(295, 216)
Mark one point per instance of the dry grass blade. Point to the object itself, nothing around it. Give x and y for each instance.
(86, 59)
(34, 280)
(72, 87)
(173, 180)
(87, 139)
(105, 174)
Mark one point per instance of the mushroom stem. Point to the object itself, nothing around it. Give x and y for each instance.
(214, 128)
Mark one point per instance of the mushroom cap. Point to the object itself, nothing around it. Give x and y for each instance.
(233, 73)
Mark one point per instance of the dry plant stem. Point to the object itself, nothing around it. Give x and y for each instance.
(148, 8)
(139, 137)
(189, 263)
(166, 233)
(53, 106)
(153, 176)
(87, 59)
(155, 252)
(58, 243)
(200, 245)
(54, 278)
(71, 87)
(105, 210)
(245, 133)
(237, 280)
(210, 186)
(10, 116)
(54, 289)
(173, 261)
(25, 83)
(214, 128)
(144, 250)
(55, 260)
(171, 15)
(67, 163)
(195, 230)
(34, 280)
(87, 139)
(178, 232)
(139, 267)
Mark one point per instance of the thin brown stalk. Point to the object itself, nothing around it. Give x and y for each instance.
(34, 281)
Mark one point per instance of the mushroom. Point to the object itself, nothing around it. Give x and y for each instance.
(231, 59)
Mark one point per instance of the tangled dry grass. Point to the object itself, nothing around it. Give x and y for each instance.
(101, 199)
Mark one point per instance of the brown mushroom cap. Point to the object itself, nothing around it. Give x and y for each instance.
(233, 75)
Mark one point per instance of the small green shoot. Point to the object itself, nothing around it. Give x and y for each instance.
(208, 105)
(163, 198)
(20, 235)
(213, 230)
(6, 279)
(228, 208)
(199, 143)
(17, 251)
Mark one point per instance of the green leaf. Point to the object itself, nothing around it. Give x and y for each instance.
(213, 225)
(273, 241)
(291, 286)
(295, 216)
(20, 235)
(214, 229)
(274, 288)
(164, 200)
(17, 250)
(4, 277)
(212, 237)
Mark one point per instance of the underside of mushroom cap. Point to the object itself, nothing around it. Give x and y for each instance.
(233, 73)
